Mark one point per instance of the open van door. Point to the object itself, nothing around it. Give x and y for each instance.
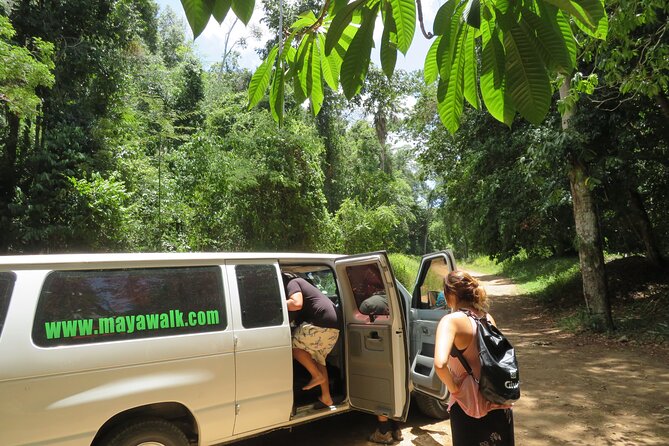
(375, 335)
(428, 306)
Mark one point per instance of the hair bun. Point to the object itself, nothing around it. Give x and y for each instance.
(466, 288)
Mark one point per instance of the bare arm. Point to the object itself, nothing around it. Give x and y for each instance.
(295, 301)
(446, 331)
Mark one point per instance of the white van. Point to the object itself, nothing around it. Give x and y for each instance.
(195, 348)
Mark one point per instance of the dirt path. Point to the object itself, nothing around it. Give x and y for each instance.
(574, 391)
(578, 391)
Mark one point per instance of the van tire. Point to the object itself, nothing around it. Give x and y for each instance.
(153, 431)
(431, 407)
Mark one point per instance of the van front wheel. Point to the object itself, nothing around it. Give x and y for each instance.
(150, 432)
(431, 407)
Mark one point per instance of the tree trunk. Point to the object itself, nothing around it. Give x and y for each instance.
(381, 127)
(331, 163)
(642, 226)
(8, 180)
(590, 251)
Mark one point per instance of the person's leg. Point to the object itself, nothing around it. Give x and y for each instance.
(325, 398)
(324, 340)
(308, 362)
(397, 432)
(383, 433)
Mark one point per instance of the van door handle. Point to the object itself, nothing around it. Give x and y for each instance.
(374, 342)
(425, 330)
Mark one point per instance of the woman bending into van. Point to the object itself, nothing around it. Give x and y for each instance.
(316, 334)
(474, 420)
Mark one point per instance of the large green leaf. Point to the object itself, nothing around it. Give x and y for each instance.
(220, 9)
(493, 76)
(451, 109)
(431, 69)
(593, 8)
(339, 23)
(567, 36)
(356, 61)
(446, 47)
(289, 54)
(336, 57)
(528, 85)
(587, 18)
(388, 44)
(549, 37)
(503, 6)
(197, 14)
(472, 13)
(260, 79)
(277, 93)
(243, 9)
(336, 5)
(328, 71)
(315, 82)
(470, 75)
(298, 93)
(442, 87)
(304, 20)
(442, 20)
(404, 14)
(596, 11)
(303, 61)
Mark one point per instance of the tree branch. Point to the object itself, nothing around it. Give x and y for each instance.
(427, 35)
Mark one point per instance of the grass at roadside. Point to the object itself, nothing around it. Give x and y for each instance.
(405, 268)
(481, 264)
(639, 294)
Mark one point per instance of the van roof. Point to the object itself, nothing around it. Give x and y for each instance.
(82, 260)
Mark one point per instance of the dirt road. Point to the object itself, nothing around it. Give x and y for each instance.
(574, 391)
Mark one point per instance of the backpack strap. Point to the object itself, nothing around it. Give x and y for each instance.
(463, 361)
(473, 315)
(459, 354)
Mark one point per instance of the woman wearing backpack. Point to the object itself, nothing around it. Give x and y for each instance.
(474, 420)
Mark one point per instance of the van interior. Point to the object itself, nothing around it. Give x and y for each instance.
(323, 278)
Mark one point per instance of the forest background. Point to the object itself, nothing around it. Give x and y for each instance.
(115, 138)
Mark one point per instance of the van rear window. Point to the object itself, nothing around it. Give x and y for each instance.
(6, 287)
(80, 307)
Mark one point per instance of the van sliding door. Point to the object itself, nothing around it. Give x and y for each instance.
(375, 336)
(263, 353)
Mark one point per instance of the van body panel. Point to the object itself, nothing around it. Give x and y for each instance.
(71, 388)
(71, 403)
(376, 345)
(428, 306)
(140, 260)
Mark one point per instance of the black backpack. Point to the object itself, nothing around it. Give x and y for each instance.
(499, 382)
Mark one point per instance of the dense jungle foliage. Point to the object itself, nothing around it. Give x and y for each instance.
(115, 137)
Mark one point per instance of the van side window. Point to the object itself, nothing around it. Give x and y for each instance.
(259, 295)
(81, 307)
(432, 286)
(6, 287)
(368, 289)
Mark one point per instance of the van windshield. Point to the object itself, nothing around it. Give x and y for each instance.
(6, 286)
